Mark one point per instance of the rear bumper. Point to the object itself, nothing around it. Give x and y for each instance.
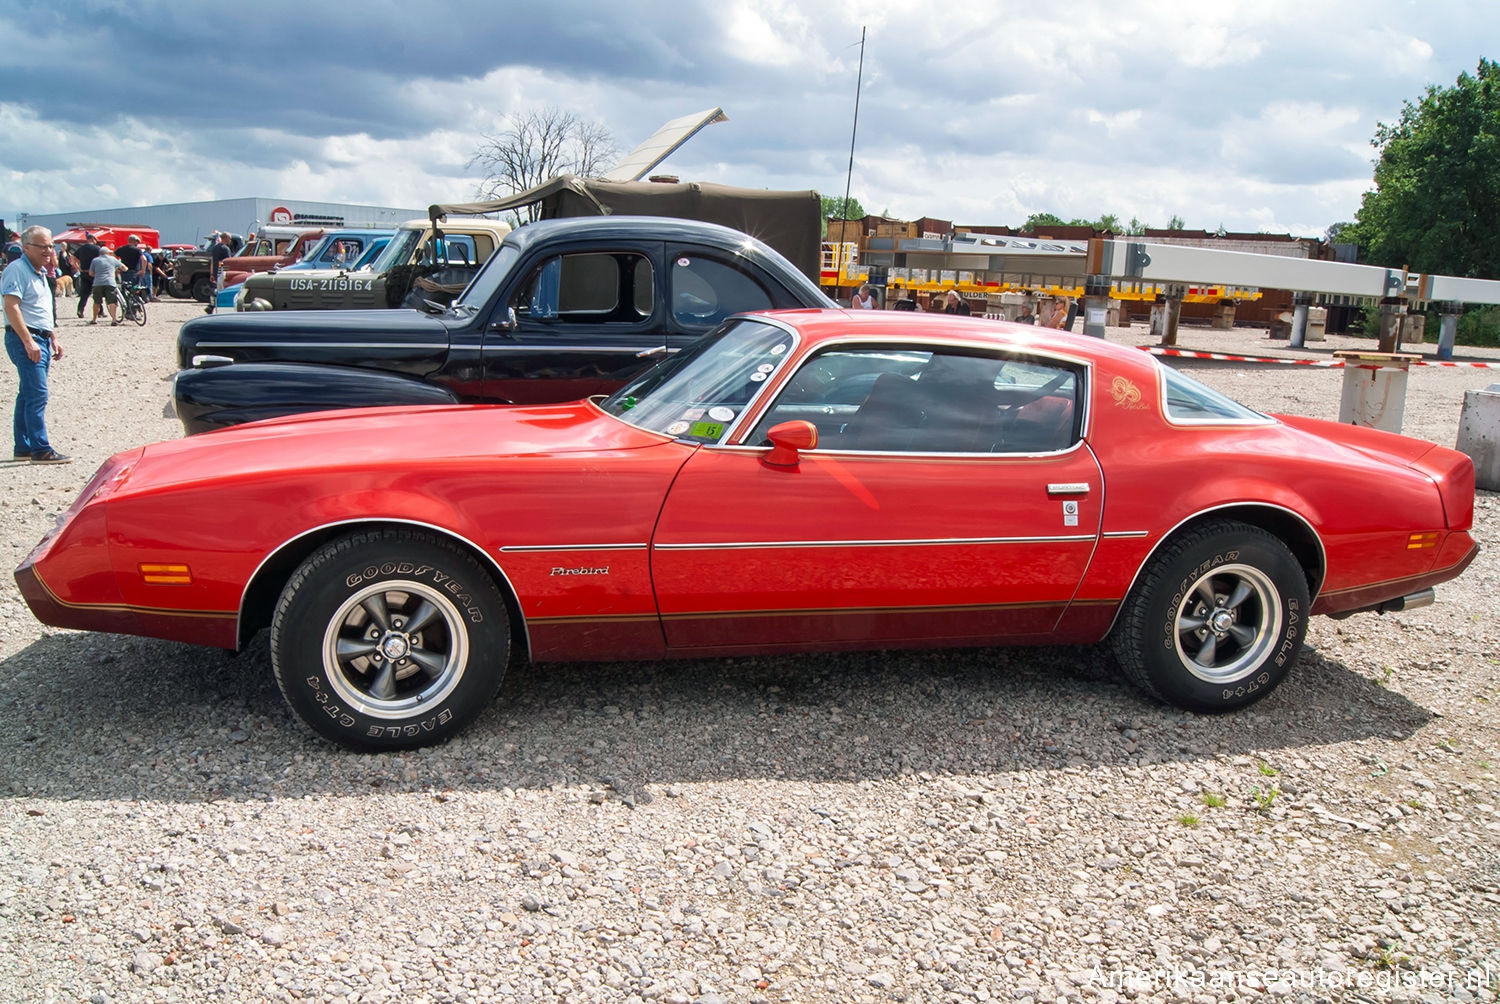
(1459, 551)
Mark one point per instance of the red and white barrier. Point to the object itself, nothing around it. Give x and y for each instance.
(1159, 350)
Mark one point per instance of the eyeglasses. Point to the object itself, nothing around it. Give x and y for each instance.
(44, 247)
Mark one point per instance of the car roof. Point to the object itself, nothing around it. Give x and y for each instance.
(654, 227)
(815, 326)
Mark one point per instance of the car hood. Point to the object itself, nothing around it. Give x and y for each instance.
(220, 333)
(399, 439)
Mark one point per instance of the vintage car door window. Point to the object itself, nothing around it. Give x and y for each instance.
(332, 256)
(705, 291)
(888, 400)
(588, 288)
(581, 321)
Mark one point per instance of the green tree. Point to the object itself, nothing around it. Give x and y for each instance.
(1038, 220)
(834, 207)
(1436, 198)
(1175, 223)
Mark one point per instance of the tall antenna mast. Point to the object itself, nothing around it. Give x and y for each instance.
(848, 178)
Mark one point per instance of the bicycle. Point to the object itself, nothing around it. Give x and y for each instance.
(132, 303)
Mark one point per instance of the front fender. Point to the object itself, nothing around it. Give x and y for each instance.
(221, 396)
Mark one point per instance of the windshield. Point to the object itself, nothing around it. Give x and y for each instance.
(376, 246)
(697, 395)
(311, 251)
(400, 250)
(490, 276)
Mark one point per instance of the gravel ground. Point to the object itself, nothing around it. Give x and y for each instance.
(931, 826)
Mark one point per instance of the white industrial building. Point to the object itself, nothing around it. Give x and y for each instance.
(192, 222)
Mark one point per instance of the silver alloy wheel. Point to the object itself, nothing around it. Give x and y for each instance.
(394, 648)
(1227, 623)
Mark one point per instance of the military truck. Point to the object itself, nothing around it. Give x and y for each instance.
(423, 262)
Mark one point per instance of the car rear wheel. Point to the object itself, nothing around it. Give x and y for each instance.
(203, 289)
(1216, 620)
(389, 640)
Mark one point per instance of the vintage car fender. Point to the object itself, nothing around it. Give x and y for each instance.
(213, 396)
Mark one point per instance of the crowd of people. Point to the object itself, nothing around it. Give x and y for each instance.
(952, 302)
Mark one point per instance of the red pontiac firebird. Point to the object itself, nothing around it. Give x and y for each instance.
(796, 481)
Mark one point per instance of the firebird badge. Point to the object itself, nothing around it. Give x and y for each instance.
(1126, 394)
(560, 570)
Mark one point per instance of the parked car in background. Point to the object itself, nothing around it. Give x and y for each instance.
(794, 482)
(444, 260)
(325, 254)
(565, 308)
(272, 247)
(193, 271)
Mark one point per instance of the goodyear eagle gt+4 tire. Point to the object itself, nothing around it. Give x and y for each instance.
(1216, 619)
(389, 640)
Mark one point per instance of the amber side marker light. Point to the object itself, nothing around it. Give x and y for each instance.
(166, 575)
(1421, 541)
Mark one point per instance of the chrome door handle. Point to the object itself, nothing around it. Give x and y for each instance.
(1068, 488)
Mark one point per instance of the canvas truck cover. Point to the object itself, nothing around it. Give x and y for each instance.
(789, 221)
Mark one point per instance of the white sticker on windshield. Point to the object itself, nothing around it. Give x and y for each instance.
(677, 428)
(721, 414)
(777, 350)
(683, 263)
(693, 414)
(765, 368)
(757, 377)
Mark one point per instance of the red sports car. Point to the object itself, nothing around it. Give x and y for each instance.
(796, 481)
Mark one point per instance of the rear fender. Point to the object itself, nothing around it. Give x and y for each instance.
(217, 397)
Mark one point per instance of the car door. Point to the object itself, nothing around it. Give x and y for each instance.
(584, 316)
(951, 500)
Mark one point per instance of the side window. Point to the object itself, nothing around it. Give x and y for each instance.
(457, 248)
(705, 291)
(340, 252)
(588, 288)
(881, 400)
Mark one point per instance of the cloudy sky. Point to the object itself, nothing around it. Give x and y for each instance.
(1250, 115)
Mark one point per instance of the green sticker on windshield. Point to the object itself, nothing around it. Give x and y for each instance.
(707, 430)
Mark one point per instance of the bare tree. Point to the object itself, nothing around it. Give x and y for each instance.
(537, 146)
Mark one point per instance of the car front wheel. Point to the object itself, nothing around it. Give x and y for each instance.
(389, 640)
(1216, 619)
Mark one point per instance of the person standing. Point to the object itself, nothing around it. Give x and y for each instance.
(956, 304)
(220, 251)
(85, 255)
(31, 342)
(865, 299)
(130, 257)
(106, 269)
(148, 266)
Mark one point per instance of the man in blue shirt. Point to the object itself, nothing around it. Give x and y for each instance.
(31, 341)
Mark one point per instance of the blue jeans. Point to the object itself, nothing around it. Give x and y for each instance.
(31, 399)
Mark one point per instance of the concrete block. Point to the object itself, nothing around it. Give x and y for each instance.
(1317, 324)
(1479, 435)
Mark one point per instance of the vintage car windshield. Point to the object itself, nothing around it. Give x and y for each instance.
(311, 251)
(1188, 401)
(399, 250)
(376, 246)
(696, 395)
(491, 274)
